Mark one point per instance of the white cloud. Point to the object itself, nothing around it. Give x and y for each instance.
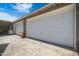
(1, 9)
(6, 16)
(23, 7)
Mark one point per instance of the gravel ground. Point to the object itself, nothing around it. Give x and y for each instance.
(18, 46)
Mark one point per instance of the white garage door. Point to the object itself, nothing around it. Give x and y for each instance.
(55, 26)
(19, 28)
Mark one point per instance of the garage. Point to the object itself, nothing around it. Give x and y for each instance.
(18, 27)
(56, 26)
(4, 27)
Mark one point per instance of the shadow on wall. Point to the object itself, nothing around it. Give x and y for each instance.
(2, 48)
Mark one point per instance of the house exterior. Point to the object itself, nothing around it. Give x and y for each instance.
(56, 23)
(4, 27)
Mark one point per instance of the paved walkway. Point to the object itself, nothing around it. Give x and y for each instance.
(18, 46)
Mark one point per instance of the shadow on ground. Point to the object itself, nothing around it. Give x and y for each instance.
(4, 34)
(3, 47)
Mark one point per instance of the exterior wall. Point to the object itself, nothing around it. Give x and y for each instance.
(14, 28)
(4, 27)
(24, 28)
(55, 26)
(18, 28)
(77, 26)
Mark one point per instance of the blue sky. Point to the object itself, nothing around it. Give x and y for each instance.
(13, 11)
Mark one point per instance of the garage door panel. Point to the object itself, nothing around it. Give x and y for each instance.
(19, 28)
(56, 27)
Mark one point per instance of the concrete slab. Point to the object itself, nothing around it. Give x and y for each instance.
(28, 47)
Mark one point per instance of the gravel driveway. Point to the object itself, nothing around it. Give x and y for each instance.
(18, 46)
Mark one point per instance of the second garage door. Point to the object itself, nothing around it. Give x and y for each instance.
(55, 26)
(19, 28)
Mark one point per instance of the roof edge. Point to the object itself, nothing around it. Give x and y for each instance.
(45, 9)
